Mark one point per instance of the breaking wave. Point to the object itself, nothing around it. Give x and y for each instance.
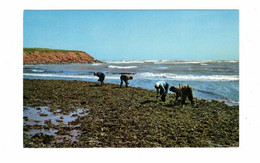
(68, 76)
(145, 76)
(96, 64)
(122, 67)
(162, 68)
(167, 61)
(123, 61)
(170, 76)
(37, 70)
(222, 97)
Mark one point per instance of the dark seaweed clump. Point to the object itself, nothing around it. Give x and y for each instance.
(129, 117)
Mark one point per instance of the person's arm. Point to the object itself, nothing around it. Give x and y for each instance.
(163, 89)
(157, 92)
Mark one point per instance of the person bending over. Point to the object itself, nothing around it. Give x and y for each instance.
(101, 76)
(125, 78)
(183, 91)
(161, 86)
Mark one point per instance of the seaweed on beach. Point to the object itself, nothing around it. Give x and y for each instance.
(130, 117)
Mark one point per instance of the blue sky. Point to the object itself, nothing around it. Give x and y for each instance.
(137, 34)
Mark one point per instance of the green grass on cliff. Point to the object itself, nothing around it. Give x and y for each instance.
(46, 50)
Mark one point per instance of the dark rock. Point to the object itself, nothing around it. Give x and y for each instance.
(83, 102)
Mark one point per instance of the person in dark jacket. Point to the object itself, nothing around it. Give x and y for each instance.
(125, 78)
(101, 76)
(183, 91)
(161, 86)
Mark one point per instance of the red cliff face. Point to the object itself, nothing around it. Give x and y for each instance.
(38, 57)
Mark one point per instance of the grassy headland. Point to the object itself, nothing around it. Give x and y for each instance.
(51, 56)
(129, 117)
(46, 50)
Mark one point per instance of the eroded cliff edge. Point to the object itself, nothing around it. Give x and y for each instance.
(55, 56)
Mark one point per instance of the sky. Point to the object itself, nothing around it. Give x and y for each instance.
(136, 34)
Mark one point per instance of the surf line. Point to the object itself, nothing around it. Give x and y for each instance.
(216, 94)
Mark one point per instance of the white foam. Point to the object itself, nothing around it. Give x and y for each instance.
(123, 61)
(147, 76)
(162, 68)
(209, 77)
(96, 64)
(170, 76)
(186, 62)
(228, 61)
(35, 70)
(122, 67)
(68, 76)
(167, 61)
(176, 62)
(150, 60)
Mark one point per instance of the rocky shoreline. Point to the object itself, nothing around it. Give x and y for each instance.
(109, 116)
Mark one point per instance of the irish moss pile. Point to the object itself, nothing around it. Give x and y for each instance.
(126, 117)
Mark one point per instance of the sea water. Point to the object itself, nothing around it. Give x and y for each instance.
(217, 80)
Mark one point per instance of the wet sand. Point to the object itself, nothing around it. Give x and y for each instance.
(122, 117)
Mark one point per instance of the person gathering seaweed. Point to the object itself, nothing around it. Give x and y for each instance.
(125, 78)
(124, 119)
(101, 76)
(183, 91)
(162, 87)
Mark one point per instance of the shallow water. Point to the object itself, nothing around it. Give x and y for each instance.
(36, 131)
(72, 136)
(210, 79)
(38, 116)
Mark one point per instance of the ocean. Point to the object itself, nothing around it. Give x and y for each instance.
(217, 80)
